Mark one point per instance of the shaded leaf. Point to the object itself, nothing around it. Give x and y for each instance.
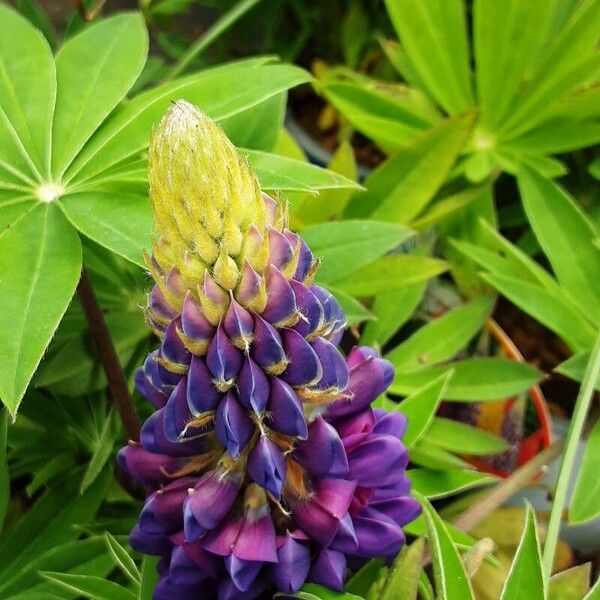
(439, 484)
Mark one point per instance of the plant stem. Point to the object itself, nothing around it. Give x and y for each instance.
(510, 486)
(211, 34)
(109, 359)
(584, 399)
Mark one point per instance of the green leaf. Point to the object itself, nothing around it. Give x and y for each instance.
(574, 367)
(40, 263)
(564, 233)
(4, 475)
(420, 407)
(434, 37)
(391, 310)
(118, 221)
(49, 522)
(391, 115)
(353, 309)
(94, 71)
(281, 173)
(525, 578)
(452, 581)
(344, 246)
(122, 558)
(436, 458)
(312, 591)
(36, 15)
(258, 127)
(363, 579)
(102, 451)
(441, 338)
(440, 484)
(405, 184)
(584, 502)
(389, 273)
(76, 362)
(403, 578)
(418, 528)
(556, 313)
(149, 577)
(506, 47)
(221, 92)
(464, 439)
(96, 588)
(570, 584)
(83, 556)
(330, 204)
(474, 379)
(25, 117)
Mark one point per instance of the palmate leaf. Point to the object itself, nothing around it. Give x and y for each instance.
(94, 71)
(25, 117)
(61, 142)
(40, 262)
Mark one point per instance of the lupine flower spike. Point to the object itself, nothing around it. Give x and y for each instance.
(265, 464)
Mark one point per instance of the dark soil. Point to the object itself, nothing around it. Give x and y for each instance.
(307, 108)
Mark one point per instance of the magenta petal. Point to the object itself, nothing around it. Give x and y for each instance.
(335, 371)
(223, 358)
(183, 571)
(146, 388)
(153, 439)
(193, 323)
(333, 314)
(367, 381)
(390, 423)
(267, 348)
(281, 302)
(320, 515)
(310, 309)
(305, 260)
(177, 415)
(213, 496)
(149, 543)
(202, 395)
(377, 534)
(285, 410)
(280, 249)
(328, 569)
(159, 305)
(293, 564)
(253, 386)
(322, 453)
(232, 425)
(304, 367)
(221, 540)
(266, 466)
(238, 325)
(345, 539)
(242, 572)
(229, 591)
(172, 347)
(402, 510)
(378, 461)
(249, 284)
(256, 539)
(165, 506)
(147, 467)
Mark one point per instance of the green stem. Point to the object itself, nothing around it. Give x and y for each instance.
(211, 34)
(584, 399)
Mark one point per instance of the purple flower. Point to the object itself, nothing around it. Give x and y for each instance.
(265, 464)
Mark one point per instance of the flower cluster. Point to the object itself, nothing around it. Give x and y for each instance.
(265, 463)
